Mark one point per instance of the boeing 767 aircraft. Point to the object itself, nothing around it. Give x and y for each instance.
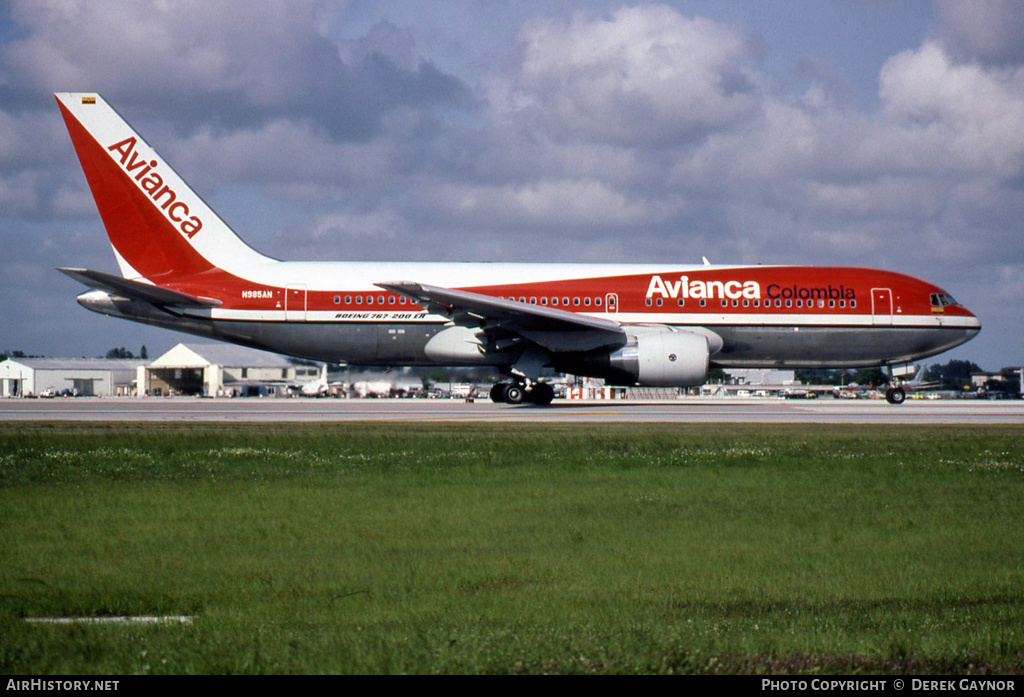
(658, 324)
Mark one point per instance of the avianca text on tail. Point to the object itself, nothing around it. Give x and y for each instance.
(182, 267)
(153, 184)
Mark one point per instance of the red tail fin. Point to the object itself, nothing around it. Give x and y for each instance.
(158, 226)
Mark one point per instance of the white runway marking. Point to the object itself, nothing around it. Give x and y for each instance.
(166, 619)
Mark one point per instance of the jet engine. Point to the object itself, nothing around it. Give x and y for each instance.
(654, 356)
(664, 358)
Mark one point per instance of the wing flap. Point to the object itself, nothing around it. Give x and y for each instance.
(555, 330)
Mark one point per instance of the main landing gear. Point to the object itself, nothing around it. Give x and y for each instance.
(539, 393)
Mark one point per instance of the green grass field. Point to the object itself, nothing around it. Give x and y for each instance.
(513, 548)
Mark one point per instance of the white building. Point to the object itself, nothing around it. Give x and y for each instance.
(220, 370)
(761, 376)
(101, 377)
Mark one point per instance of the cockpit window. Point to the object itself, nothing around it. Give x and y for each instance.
(943, 300)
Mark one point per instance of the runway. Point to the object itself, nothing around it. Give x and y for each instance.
(400, 410)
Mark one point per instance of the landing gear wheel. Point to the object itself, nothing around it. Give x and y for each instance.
(514, 394)
(498, 393)
(895, 395)
(542, 394)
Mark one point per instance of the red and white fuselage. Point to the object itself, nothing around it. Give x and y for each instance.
(182, 267)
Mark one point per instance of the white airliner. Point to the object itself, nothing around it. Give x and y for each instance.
(659, 324)
(315, 388)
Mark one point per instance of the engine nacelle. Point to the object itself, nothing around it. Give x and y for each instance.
(660, 357)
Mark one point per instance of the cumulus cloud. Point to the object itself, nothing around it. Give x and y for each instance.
(955, 116)
(253, 92)
(283, 152)
(638, 106)
(232, 63)
(645, 75)
(584, 207)
(989, 31)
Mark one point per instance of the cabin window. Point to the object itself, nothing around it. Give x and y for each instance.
(703, 303)
(543, 301)
(391, 300)
(586, 301)
(660, 302)
(348, 299)
(565, 301)
(853, 303)
(359, 300)
(680, 302)
(597, 301)
(337, 299)
(648, 302)
(533, 301)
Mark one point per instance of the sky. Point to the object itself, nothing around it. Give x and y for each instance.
(880, 133)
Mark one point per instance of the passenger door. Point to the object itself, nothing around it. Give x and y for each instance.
(881, 306)
(295, 303)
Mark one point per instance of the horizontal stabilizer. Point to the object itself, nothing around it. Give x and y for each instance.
(136, 290)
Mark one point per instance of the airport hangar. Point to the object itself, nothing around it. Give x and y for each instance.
(32, 377)
(215, 370)
(220, 370)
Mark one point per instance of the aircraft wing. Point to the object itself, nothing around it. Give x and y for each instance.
(136, 290)
(553, 329)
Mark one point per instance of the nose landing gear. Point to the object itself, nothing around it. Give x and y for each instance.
(895, 394)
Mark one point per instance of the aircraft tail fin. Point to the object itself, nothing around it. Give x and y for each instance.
(158, 226)
(919, 382)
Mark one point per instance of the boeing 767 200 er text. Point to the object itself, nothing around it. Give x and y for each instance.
(183, 268)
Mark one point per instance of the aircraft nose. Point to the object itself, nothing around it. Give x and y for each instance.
(972, 324)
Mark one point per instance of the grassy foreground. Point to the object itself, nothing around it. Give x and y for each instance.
(513, 548)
